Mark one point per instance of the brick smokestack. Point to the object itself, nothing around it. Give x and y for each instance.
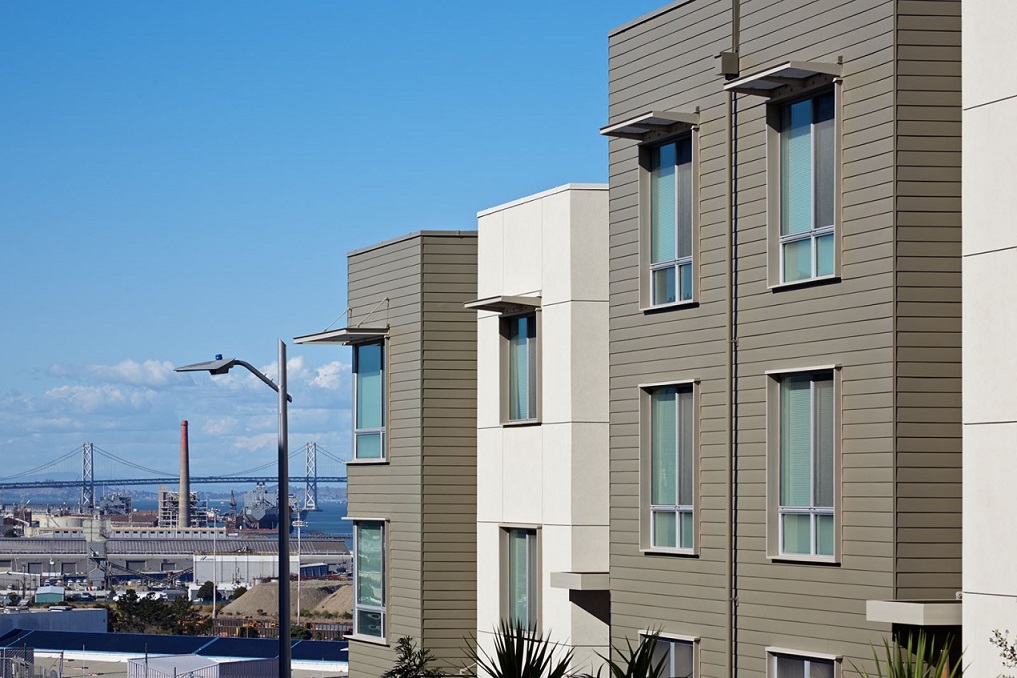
(184, 510)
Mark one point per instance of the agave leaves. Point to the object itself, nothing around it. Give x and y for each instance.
(519, 652)
(637, 662)
(920, 658)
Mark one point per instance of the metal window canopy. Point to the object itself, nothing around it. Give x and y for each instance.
(344, 336)
(505, 304)
(651, 122)
(914, 612)
(792, 74)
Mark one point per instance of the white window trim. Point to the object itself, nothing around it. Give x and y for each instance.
(383, 459)
(773, 522)
(646, 268)
(383, 609)
(773, 652)
(775, 241)
(645, 469)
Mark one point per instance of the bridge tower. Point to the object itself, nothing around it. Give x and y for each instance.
(87, 479)
(311, 477)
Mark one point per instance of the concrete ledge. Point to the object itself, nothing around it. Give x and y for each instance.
(914, 612)
(581, 581)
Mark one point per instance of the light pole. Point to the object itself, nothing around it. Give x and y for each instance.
(222, 366)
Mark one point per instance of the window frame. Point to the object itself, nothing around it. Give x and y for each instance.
(692, 641)
(646, 508)
(773, 433)
(534, 591)
(773, 653)
(646, 266)
(505, 322)
(775, 240)
(383, 430)
(357, 607)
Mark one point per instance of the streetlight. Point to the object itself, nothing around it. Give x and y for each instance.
(222, 366)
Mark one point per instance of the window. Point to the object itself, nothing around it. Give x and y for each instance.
(789, 666)
(806, 464)
(808, 188)
(522, 579)
(678, 657)
(671, 222)
(522, 362)
(672, 466)
(369, 402)
(369, 579)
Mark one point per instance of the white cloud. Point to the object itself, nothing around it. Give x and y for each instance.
(150, 373)
(330, 375)
(220, 426)
(257, 442)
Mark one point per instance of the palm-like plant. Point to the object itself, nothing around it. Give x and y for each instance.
(411, 661)
(920, 658)
(519, 652)
(637, 662)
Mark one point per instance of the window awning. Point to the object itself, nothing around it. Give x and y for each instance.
(504, 304)
(581, 581)
(791, 73)
(344, 336)
(651, 121)
(914, 612)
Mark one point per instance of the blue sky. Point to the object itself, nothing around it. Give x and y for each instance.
(183, 179)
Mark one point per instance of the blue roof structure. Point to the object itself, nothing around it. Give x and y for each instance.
(138, 644)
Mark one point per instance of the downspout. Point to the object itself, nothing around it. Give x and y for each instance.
(729, 356)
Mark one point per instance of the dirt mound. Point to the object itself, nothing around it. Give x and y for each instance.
(316, 597)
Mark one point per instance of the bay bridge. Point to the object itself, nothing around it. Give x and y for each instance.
(118, 472)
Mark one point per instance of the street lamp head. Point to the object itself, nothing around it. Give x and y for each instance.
(217, 366)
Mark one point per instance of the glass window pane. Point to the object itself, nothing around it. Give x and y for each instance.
(519, 577)
(662, 653)
(369, 623)
(796, 168)
(820, 669)
(522, 367)
(795, 440)
(687, 530)
(683, 180)
(824, 440)
(824, 535)
(662, 204)
(370, 412)
(686, 450)
(663, 283)
(797, 534)
(370, 564)
(798, 260)
(664, 529)
(686, 278)
(824, 254)
(790, 667)
(824, 147)
(682, 659)
(663, 446)
(368, 446)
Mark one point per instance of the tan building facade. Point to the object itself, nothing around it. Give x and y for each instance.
(412, 478)
(784, 330)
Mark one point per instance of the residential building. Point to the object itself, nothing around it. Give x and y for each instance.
(542, 419)
(412, 475)
(785, 331)
(990, 322)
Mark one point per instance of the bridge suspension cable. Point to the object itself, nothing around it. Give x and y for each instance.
(139, 467)
(76, 451)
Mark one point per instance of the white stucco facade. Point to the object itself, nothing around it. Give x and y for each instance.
(990, 325)
(550, 475)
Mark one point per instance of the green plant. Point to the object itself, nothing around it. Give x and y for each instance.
(411, 661)
(519, 652)
(238, 591)
(636, 662)
(919, 658)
